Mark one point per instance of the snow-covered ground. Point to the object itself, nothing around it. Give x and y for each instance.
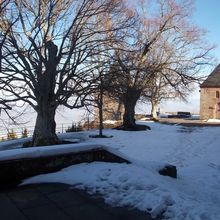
(194, 195)
(213, 120)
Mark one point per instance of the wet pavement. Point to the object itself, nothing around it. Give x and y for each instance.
(55, 201)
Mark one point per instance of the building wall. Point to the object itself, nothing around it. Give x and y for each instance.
(209, 103)
(112, 110)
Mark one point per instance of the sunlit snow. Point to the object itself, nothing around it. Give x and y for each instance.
(195, 194)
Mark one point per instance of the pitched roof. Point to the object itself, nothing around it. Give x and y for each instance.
(213, 80)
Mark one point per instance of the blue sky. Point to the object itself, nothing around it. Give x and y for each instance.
(206, 16)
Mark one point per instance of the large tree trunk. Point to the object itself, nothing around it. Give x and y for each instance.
(130, 99)
(45, 127)
(154, 108)
(118, 114)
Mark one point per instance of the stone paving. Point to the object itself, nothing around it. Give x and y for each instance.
(59, 202)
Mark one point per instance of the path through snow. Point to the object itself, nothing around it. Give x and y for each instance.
(194, 195)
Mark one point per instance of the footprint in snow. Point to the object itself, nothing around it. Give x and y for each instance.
(151, 187)
(215, 166)
(123, 178)
(103, 176)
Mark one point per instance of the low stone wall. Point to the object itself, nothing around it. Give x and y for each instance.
(13, 171)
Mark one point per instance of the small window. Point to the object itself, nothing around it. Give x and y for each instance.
(217, 94)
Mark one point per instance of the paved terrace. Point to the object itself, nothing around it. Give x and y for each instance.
(59, 202)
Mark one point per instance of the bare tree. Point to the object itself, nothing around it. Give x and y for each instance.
(3, 105)
(97, 96)
(159, 89)
(3, 4)
(165, 43)
(47, 51)
(101, 86)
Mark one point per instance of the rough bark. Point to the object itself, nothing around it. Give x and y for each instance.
(45, 127)
(118, 113)
(130, 99)
(154, 107)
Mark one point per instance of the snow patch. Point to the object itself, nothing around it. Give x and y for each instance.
(109, 122)
(33, 152)
(194, 195)
(213, 120)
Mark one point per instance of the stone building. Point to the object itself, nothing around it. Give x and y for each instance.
(210, 96)
(112, 109)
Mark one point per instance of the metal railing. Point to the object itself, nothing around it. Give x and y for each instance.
(18, 130)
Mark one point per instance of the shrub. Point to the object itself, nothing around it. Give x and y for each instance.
(24, 133)
(74, 128)
(11, 135)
